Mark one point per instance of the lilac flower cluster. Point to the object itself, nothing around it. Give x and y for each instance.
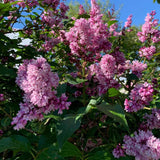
(135, 67)
(108, 66)
(49, 44)
(23, 3)
(50, 17)
(113, 29)
(147, 52)
(118, 151)
(129, 22)
(153, 120)
(103, 73)
(149, 33)
(89, 36)
(81, 10)
(143, 146)
(148, 29)
(52, 3)
(2, 97)
(140, 96)
(37, 81)
(119, 56)
(1, 132)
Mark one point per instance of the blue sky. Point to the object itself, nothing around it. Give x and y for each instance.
(138, 8)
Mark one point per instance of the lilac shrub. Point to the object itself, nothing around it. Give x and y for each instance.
(90, 90)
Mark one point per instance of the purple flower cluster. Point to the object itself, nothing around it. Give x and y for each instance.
(147, 52)
(37, 81)
(129, 21)
(2, 97)
(153, 120)
(140, 96)
(103, 73)
(49, 44)
(149, 33)
(135, 67)
(119, 56)
(118, 151)
(81, 10)
(113, 29)
(143, 146)
(53, 16)
(23, 3)
(148, 29)
(1, 132)
(89, 36)
(108, 66)
(51, 3)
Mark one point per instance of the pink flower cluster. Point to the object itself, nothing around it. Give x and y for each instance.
(53, 16)
(108, 66)
(103, 73)
(140, 96)
(81, 10)
(153, 120)
(113, 29)
(52, 19)
(149, 32)
(88, 37)
(118, 151)
(2, 97)
(37, 81)
(143, 146)
(129, 21)
(49, 44)
(119, 56)
(52, 3)
(1, 132)
(135, 67)
(147, 52)
(24, 3)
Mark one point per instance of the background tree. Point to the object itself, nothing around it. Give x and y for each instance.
(107, 9)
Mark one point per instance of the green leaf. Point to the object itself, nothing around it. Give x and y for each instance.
(49, 153)
(112, 92)
(84, 110)
(74, 81)
(83, 16)
(5, 121)
(70, 150)
(154, 1)
(158, 1)
(4, 71)
(57, 118)
(112, 22)
(114, 111)
(16, 143)
(156, 54)
(66, 128)
(4, 7)
(100, 155)
(131, 77)
(61, 89)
